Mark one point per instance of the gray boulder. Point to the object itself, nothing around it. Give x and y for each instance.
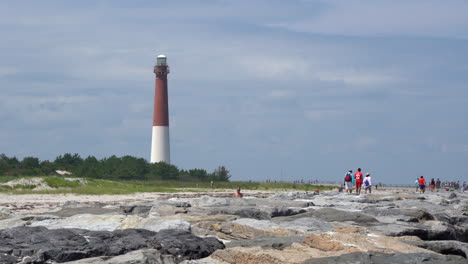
(443, 247)
(431, 230)
(183, 245)
(140, 210)
(5, 213)
(42, 245)
(7, 259)
(406, 215)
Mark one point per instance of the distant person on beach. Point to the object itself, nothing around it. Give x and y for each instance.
(432, 184)
(358, 178)
(422, 184)
(417, 184)
(438, 185)
(238, 193)
(464, 186)
(367, 183)
(348, 181)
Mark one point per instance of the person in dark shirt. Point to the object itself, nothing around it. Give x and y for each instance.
(432, 184)
(437, 185)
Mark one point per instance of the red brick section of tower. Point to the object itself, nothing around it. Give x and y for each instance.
(161, 105)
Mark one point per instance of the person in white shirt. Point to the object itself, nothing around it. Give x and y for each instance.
(367, 183)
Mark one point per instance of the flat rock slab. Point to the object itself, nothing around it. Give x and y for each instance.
(382, 258)
(112, 222)
(68, 211)
(141, 256)
(278, 243)
(332, 215)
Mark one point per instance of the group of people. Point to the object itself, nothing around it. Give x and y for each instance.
(358, 180)
(435, 185)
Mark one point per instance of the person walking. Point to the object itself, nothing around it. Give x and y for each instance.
(348, 181)
(422, 184)
(367, 183)
(432, 184)
(417, 184)
(358, 178)
(438, 185)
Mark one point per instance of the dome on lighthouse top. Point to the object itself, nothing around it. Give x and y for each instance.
(161, 60)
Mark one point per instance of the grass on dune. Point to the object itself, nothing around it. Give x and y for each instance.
(4, 179)
(58, 182)
(97, 186)
(89, 186)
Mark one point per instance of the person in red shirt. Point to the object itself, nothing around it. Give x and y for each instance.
(358, 178)
(422, 185)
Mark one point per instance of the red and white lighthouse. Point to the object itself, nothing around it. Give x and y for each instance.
(160, 150)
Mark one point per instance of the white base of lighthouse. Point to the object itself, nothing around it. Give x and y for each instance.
(160, 145)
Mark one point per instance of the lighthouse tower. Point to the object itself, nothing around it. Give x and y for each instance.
(160, 150)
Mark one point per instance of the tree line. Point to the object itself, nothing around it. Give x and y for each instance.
(110, 168)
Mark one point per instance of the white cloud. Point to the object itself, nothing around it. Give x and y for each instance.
(365, 143)
(272, 67)
(355, 77)
(7, 70)
(44, 109)
(281, 94)
(454, 148)
(290, 68)
(388, 17)
(318, 115)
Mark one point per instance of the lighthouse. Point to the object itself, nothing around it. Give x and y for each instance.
(160, 150)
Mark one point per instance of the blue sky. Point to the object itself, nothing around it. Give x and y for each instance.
(277, 90)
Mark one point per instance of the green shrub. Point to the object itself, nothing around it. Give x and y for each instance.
(58, 182)
(24, 186)
(5, 188)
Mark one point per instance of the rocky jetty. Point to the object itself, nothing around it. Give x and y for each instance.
(390, 226)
